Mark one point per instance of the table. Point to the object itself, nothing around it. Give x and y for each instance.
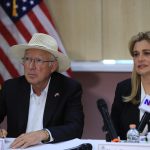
(97, 145)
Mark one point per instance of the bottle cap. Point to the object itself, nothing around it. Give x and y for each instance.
(132, 126)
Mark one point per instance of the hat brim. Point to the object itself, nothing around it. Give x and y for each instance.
(63, 60)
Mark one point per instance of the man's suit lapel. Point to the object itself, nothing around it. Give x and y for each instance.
(23, 109)
(53, 97)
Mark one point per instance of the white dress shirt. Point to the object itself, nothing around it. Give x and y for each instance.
(36, 111)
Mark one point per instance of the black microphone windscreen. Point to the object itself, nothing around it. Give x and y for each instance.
(102, 106)
(101, 103)
(84, 146)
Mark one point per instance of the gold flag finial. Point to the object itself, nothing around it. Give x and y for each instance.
(14, 9)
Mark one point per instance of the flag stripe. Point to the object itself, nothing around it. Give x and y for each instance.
(7, 35)
(7, 22)
(23, 30)
(6, 48)
(8, 64)
(44, 21)
(36, 21)
(4, 72)
(29, 24)
(46, 12)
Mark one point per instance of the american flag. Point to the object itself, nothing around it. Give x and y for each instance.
(19, 20)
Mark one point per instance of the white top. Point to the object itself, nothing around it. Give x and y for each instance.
(143, 94)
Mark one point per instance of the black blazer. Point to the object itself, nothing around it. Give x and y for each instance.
(124, 113)
(63, 114)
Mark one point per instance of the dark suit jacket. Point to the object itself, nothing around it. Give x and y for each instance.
(63, 114)
(124, 113)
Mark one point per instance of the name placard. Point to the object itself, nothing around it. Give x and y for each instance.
(123, 146)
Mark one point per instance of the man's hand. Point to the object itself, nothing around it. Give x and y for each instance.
(28, 139)
(3, 133)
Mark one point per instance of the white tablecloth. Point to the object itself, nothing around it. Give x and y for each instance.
(96, 144)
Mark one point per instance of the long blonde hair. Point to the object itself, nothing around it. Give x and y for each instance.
(135, 77)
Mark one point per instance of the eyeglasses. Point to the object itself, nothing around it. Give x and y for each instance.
(37, 61)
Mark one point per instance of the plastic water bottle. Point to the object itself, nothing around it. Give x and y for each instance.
(133, 135)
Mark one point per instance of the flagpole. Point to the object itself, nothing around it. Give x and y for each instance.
(14, 9)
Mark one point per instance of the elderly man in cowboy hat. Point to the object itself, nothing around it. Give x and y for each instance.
(43, 105)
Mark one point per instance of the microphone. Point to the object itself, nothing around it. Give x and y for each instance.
(102, 106)
(84, 146)
(143, 122)
(145, 106)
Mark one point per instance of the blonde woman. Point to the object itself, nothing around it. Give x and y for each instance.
(130, 92)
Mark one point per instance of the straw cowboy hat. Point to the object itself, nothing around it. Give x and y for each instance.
(44, 42)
